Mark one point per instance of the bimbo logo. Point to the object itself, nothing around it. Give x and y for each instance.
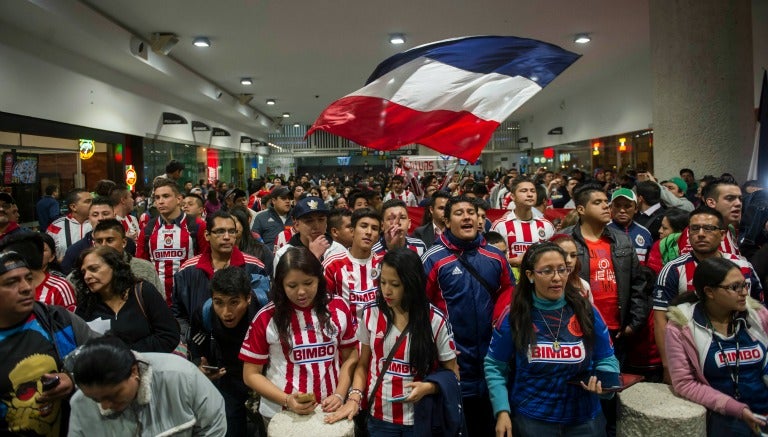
(520, 247)
(362, 296)
(749, 355)
(544, 352)
(313, 353)
(170, 254)
(398, 368)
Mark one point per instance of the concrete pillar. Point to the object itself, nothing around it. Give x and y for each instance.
(701, 63)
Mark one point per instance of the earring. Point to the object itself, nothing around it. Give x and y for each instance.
(530, 280)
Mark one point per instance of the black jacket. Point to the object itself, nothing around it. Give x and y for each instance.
(634, 302)
(426, 234)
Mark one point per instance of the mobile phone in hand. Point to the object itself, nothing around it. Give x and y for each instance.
(210, 369)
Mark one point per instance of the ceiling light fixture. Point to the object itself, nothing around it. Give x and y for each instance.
(582, 38)
(246, 81)
(397, 38)
(286, 114)
(296, 125)
(202, 41)
(270, 102)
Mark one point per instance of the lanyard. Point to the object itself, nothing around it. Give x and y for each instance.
(734, 374)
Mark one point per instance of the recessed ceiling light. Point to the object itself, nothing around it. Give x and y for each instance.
(286, 114)
(246, 81)
(270, 102)
(296, 125)
(397, 38)
(582, 38)
(202, 41)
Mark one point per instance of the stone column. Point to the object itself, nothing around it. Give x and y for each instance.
(701, 63)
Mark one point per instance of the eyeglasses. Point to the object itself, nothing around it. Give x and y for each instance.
(220, 232)
(550, 272)
(706, 228)
(737, 287)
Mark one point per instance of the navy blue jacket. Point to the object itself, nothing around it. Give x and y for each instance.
(440, 415)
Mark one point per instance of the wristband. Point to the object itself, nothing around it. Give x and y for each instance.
(353, 391)
(341, 398)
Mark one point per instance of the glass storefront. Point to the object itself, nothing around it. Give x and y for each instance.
(31, 163)
(628, 151)
(159, 153)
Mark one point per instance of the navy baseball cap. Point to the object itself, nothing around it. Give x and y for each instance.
(309, 205)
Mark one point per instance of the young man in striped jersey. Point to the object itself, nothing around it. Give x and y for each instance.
(70, 228)
(399, 192)
(354, 274)
(724, 196)
(395, 224)
(706, 231)
(522, 228)
(623, 209)
(171, 238)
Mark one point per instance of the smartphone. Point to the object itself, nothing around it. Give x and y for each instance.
(763, 429)
(49, 383)
(399, 398)
(211, 369)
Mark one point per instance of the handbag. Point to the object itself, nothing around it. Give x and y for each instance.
(181, 349)
(361, 420)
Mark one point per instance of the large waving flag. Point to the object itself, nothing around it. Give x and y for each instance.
(449, 96)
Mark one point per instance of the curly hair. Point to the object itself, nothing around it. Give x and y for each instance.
(122, 277)
(301, 259)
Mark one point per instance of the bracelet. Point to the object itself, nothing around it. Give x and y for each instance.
(354, 400)
(285, 404)
(355, 390)
(341, 398)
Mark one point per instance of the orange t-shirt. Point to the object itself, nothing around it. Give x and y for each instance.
(602, 280)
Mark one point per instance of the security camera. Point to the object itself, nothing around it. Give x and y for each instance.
(139, 48)
(219, 93)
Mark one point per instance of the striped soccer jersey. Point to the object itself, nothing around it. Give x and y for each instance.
(55, 290)
(677, 277)
(728, 245)
(373, 332)
(521, 234)
(406, 196)
(130, 224)
(311, 363)
(67, 231)
(416, 245)
(355, 280)
(169, 245)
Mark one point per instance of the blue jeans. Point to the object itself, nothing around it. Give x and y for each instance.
(377, 428)
(526, 427)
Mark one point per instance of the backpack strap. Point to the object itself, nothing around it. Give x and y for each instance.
(208, 315)
(137, 288)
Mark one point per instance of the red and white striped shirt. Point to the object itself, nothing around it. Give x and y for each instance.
(355, 280)
(311, 363)
(169, 245)
(373, 332)
(55, 290)
(67, 231)
(521, 234)
(283, 238)
(406, 196)
(728, 245)
(130, 224)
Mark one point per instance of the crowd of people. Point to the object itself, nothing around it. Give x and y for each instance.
(481, 305)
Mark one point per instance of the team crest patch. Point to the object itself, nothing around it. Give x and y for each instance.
(639, 240)
(542, 233)
(168, 240)
(375, 273)
(312, 204)
(574, 327)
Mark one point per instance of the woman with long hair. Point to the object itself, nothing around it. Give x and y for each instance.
(306, 336)
(212, 203)
(552, 338)
(112, 300)
(247, 242)
(572, 261)
(665, 249)
(401, 309)
(123, 392)
(50, 263)
(716, 342)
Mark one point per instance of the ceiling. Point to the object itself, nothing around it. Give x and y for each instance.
(308, 53)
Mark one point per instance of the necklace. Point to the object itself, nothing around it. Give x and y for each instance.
(556, 337)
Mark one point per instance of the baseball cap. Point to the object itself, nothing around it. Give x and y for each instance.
(680, 183)
(237, 193)
(280, 191)
(624, 192)
(7, 198)
(309, 205)
(196, 190)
